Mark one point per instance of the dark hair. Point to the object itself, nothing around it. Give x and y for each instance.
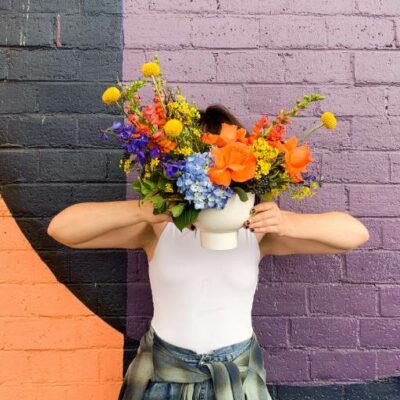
(214, 115)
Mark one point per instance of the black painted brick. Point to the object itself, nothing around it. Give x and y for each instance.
(102, 31)
(17, 30)
(37, 200)
(47, 6)
(17, 98)
(41, 130)
(19, 166)
(72, 166)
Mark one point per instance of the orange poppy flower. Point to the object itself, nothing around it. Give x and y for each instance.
(228, 133)
(296, 157)
(233, 162)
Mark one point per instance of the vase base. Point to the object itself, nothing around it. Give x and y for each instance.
(219, 240)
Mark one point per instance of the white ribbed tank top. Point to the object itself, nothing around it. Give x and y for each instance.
(202, 298)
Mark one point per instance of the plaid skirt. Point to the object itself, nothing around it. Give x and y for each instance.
(161, 370)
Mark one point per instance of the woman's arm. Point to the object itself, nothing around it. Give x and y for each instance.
(287, 232)
(113, 224)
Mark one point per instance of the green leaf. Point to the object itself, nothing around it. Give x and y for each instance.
(188, 215)
(137, 186)
(241, 193)
(177, 209)
(158, 201)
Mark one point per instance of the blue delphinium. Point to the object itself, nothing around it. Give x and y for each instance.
(196, 186)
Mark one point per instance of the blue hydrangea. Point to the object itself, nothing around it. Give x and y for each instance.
(195, 185)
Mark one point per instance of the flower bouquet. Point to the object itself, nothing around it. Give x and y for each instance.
(202, 178)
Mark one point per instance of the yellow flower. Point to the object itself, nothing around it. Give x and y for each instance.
(111, 95)
(328, 119)
(173, 127)
(168, 188)
(151, 68)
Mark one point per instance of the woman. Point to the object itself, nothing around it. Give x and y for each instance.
(201, 343)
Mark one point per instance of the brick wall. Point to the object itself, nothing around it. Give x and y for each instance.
(324, 321)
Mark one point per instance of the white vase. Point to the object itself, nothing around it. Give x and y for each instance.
(219, 228)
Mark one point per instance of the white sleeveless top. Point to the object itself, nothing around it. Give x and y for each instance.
(202, 298)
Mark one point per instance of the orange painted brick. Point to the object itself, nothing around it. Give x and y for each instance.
(45, 366)
(23, 266)
(14, 367)
(79, 366)
(11, 237)
(110, 365)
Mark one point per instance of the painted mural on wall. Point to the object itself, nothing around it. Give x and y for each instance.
(71, 319)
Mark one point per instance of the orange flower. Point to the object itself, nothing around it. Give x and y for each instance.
(233, 162)
(261, 124)
(296, 157)
(228, 133)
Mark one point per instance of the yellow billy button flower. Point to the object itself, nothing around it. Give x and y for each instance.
(173, 127)
(111, 95)
(150, 69)
(329, 120)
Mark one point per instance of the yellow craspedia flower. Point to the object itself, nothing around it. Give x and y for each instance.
(329, 120)
(151, 68)
(111, 95)
(173, 127)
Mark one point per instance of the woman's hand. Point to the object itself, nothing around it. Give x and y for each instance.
(146, 211)
(267, 217)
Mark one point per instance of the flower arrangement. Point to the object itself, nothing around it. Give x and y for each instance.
(183, 170)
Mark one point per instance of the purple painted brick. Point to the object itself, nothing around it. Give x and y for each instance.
(391, 234)
(360, 32)
(137, 266)
(380, 333)
(271, 331)
(377, 67)
(286, 299)
(323, 332)
(394, 101)
(266, 265)
(286, 365)
(343, 300)
(374, 200)
(354, 101)
(307, 268)
(322, 139)
(322, 6)
(250, 66)
(135, 6)
(270, 99)
(333, 365)
(187, 65)
(356, 167)
(139, 299)
(225, 32)
(329, 197)
(388, 364)
(374, 226)
(390, 301)
(183, 6)
(289, 6)
(294, 32)
(377, 266)
(395, 167)
(382, 7)
(317, 67)
(136, 326)
(172, 31)
(254, 6)
(232, 96)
